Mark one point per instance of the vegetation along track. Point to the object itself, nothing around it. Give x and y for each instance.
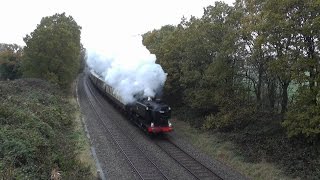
(196, 168)
(142, 165)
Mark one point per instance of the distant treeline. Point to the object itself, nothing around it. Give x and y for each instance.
(53, 52)
(258, 56)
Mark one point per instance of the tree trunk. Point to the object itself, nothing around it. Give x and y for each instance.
(258, 93)
(312, 69)
(272, 93)
(284, 101)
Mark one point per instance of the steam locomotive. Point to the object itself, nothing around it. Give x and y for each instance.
(149, 114)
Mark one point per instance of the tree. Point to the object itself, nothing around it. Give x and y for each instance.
(223, 76)
(153, 39)
(303, 117)
(10, 61)
(166, 44)
(280, 39)
(259, 56)
(83, 58)
(255, 49)
(53, 50)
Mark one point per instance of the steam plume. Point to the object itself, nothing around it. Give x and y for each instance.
(130, 69)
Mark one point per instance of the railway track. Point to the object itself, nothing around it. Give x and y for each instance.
(141, 164)
(196, 168)
(193, 166)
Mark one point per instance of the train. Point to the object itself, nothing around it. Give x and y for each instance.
(150, 114)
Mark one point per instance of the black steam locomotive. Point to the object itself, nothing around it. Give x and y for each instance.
(151, 115)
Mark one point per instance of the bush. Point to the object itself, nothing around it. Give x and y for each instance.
(10, 61)
(303, 120)
(303, 117)
(230, 117)
(35, 129)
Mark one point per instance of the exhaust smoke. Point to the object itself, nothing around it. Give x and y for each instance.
(130, 69)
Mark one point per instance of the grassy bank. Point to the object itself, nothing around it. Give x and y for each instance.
(83, 150)
(40, 133)
(260, 151)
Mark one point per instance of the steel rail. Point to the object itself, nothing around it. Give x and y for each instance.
(196, 168)
(143, 175)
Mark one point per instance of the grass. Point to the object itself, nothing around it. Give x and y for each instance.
(226, 151)
(83, 145)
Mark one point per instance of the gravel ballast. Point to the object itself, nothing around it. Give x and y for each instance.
(113, 162)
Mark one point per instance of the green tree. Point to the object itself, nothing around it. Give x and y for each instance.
(83, 58)
(166, 44)
(255, 50)
(10, 61)
(236, 61)
(280, 39)
(154, 39)
(223, 77)
(303, 117)
(209, 58)
(53, 50)
(201, 60)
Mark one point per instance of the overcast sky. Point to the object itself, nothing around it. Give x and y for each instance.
(102, 21)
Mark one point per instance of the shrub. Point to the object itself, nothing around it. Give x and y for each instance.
(303, 117)
(303, 120)
(229, 118)
(36, 122)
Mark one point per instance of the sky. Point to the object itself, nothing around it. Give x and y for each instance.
(103, 22)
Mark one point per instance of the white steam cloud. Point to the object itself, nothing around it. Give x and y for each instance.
(130, 69)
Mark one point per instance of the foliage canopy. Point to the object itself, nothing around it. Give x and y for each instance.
(53, 49)
(254, 57)
(10, 61)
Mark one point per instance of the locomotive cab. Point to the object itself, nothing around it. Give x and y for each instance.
(152, 115)
(160, 114)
